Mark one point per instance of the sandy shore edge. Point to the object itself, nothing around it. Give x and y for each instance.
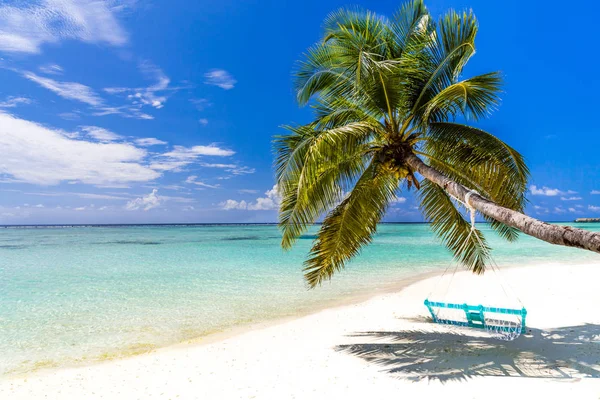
(384, 344)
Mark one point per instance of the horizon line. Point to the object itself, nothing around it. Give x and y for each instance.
(211, 223)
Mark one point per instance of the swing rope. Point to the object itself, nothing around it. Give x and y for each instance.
(504, 328)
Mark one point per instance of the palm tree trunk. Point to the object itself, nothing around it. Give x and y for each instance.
(562, 235)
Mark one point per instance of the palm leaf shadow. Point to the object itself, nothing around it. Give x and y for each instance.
(564, 353)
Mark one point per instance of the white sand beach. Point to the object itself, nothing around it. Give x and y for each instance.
(385, 347)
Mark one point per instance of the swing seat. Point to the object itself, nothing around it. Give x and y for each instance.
(475, 316)
(500, 323)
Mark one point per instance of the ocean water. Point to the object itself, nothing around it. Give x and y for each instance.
(71, 295)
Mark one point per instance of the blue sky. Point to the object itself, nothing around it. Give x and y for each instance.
(150, 111)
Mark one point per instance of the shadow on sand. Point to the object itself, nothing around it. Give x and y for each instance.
(565, 353)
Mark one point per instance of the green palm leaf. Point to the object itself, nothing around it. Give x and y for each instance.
(384, 90)
(452, 46)
(351, 225)
(327, 163)
(473, 98)
(412, 27)
(447, 222)
(496, 167)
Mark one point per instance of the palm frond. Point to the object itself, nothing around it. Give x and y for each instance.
(506, 232)
(450, 226)
(473, 98)
(290, 150)
(320, 71)
(498, 168)
(481, 161)
(412, 27)
(360, 40)
(357, 28)
(452, 46)
(332, 112)
(351, 225)
(328, 162)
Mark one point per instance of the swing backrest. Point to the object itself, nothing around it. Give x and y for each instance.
(475, 316)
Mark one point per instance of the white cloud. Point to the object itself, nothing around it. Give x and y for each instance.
(193, 179)
(177, 199)
(593, 208)
(169, 165)
(242, 170)
(149, 142)
(148, 96)
(595, 192)
(78, 194)
(100, 134)
(180, 156)
(251, 191)
(232, 168)
(191, 153)
(67, 90)
(546, 191)
(147, 99)
(153, 95)
(540, 209)
(51, 69)
(147, 202)
(234, 205)
(173, 187)
(140, 116)
(220, 78)
(270, 202)
(559, 210)
(203, 121)
(12, 101)
(127, 111)
(399, 200)
(209, 165)
(26, 26)
(571, 209)
(572, 198)
(70, 135)
(69, 116)
(201, 104)
(35, 154)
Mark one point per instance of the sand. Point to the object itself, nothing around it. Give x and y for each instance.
(382, 348)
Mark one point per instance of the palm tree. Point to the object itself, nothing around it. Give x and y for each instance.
(389, 102)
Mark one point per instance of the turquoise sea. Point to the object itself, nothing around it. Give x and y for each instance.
(78, 294)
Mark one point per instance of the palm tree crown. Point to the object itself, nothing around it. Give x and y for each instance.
(385, 91)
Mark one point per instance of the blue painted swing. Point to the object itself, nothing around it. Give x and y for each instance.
(501, 323)
(475, 315)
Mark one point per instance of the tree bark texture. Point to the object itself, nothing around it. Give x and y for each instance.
(555, 234)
